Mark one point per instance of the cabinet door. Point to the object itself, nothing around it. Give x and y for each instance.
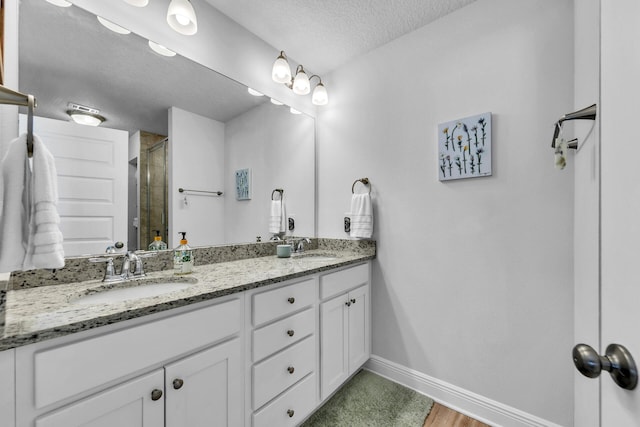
(334, 345)
(130, 404)
(206, 389)
(359, 324)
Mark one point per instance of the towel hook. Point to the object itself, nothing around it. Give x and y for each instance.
(364, 181)
(31, 104)
(278, 190)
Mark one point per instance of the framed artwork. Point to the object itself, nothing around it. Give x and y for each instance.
(464, 148)
(243, 184)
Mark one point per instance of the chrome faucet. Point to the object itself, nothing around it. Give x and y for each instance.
(126, 272)
(299, 246)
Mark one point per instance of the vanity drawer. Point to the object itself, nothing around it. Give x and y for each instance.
(281, 371)
(64, 371)
(276, 336)
(279, 302)
(341, 281)
(290, 408)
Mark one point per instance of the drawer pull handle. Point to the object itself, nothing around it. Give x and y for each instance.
(291, 300)
(290, 412)
(348, 303)
(353, 300)
(291, 369)
(178, 383)
(156, 394)
(290, 332)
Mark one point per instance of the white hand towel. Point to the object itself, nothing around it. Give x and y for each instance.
(44, 248)
(14, 218)
(361, 216)
(277, 217)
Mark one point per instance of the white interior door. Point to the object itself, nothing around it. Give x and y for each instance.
(92, 182)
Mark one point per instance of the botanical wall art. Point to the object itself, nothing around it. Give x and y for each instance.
(243, 184)
(464, 148)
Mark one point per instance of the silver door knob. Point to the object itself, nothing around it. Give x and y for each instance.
(617, 361)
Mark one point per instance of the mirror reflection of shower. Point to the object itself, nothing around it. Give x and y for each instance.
(148, 191)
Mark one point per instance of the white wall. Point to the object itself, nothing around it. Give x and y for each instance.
(279, 149)
(196, 161)
(473, 283)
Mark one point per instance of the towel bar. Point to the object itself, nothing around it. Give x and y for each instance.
(185, 190)
(364, 181)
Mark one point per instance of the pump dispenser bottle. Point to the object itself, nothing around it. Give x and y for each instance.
(157, 244)
(183, 257)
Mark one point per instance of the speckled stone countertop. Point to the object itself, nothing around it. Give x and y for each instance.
(45, 312)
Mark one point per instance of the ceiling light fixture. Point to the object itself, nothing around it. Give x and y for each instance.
(138, 3)
(161, 50)
(300, 83)
(60, 3)
(113, 27)
(254, 92)
(84, 115)
(182, 18)
(276, 102)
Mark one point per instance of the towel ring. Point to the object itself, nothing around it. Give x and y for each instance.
(279, 190)
(364, 181)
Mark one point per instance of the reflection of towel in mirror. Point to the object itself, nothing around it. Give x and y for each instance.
(361, 216)
(277, 217)
(29, 224)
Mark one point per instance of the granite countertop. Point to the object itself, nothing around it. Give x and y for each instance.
(41, 313)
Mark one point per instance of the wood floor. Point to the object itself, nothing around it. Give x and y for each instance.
(441, 416)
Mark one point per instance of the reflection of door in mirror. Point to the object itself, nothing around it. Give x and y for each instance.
(153, 197)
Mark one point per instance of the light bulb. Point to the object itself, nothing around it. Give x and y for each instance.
(301, 84)
(182, 18)
(281, 72)
(320, 96)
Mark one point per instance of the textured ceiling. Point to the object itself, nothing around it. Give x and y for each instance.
(324, 34)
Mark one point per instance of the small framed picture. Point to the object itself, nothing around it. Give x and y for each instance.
(464, 148)
(243, 184)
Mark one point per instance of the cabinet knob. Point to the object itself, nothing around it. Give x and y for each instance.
(178, 383)
(291, 369)
(353, 300)
(291, 300)
(156, 394)
(290, 412)
(290, 332)
(348, 303)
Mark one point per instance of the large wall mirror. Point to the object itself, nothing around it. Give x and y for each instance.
(173, 124)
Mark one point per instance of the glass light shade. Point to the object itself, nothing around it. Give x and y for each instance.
(138, 3)
(182, 18)
(254, 92)
(281, 72)
(320, 96)
(294, 111)
(60, 3)
(86, 119)
(276, 102)
(161, 50)
(113, 27)
(301, 84)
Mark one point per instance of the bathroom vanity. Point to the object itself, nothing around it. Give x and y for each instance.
(254, 342)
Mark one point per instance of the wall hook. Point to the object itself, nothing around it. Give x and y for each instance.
(587, 113)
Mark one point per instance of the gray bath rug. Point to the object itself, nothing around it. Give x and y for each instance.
(372, 401)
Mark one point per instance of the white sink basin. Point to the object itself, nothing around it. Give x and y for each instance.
(132, 290)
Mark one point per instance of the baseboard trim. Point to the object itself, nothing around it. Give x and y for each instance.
(466, 402)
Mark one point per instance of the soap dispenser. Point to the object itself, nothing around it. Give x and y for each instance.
(183, 257)
(157, 244)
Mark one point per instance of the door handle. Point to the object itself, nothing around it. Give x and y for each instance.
(617, 361)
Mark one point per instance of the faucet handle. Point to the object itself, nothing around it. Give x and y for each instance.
(110, 272)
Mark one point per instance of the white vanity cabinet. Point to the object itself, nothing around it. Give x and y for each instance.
(187, 367)
(345, 325)
(7, 388)
(284, 353)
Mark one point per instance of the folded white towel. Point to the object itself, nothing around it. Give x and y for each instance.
(277, 217)
(361, 216)
(31, 237)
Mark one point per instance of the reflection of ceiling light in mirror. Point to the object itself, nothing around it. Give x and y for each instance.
(84, 115)
(60, 3)
(276, 102)
(161, 50)
(254, 92)
(138, 3)
(113, 27)
(294, 111)
(182, 18)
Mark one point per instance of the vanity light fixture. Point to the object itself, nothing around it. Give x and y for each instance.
(161, 50)
(254, 92)
(276, 102)
(300, 83)
(182, 18)
(84, 115)
(60, 3)
(113, 27)
(138, 3)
